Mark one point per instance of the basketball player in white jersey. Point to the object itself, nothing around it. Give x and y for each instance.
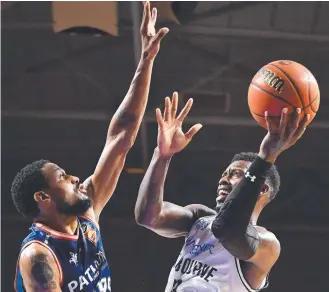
(224, 250)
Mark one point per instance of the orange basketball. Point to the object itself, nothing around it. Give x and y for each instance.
(283, 84)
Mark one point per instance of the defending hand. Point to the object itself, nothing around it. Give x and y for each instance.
(150, 39)
(171, 138)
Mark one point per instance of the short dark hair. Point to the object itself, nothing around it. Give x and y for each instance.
(272, 178)
(26, 183)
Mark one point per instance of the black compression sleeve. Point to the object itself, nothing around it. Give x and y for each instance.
(231, 225)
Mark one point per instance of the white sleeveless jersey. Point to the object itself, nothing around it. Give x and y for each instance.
(204, 265)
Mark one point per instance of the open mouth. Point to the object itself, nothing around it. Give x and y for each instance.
(222, 193)
(224, 190)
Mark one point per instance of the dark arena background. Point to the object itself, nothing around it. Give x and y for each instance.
(61, 86)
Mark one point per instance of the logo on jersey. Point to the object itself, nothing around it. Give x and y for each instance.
(201, 224)
(198, 248)
(91, 275)
(89, 233)
(73, 259)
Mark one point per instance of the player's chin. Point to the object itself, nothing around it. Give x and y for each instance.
(81, 198)
(81, 195)
(85, 200)
(79, 207)
(220, 199)
(219, 202)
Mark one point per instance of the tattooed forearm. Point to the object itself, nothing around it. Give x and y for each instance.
(42, 272)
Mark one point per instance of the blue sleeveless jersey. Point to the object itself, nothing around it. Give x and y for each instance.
(80, 258)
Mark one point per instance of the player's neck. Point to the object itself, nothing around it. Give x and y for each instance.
(60, 223)
(255, 214)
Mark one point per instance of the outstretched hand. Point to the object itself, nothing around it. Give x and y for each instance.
(287, 134)
(150, 39)
(171, 138)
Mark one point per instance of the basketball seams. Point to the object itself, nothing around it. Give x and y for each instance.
(308, 90)
(309, 94)
(310, 105)
(278, 117)
(292, 83)
(297, 94)
(273, 95)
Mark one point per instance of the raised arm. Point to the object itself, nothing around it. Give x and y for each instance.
(40, 271)
(232, 225)
(151, 211)
(126, 121)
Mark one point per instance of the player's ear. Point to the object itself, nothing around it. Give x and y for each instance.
(41, 197)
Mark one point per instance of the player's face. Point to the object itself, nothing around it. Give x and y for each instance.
(230, 178)
(70, 198)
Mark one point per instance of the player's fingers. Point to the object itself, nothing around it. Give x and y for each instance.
(146, 16)
(295, 122)
(154, 15)
(269, 123)
(283, 122)
(185, 110)
(191, 132)
(174, 104)
(301, 127)
(159, 118)
(160, 35)
(167, 111)
(148, 10)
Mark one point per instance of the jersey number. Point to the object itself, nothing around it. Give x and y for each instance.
(176, 284)
(104, 285)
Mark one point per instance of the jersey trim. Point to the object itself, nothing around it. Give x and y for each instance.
(51, 251)
(244, 281)
(57, 234)
(91, 220)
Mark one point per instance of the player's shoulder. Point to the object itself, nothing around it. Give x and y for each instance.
(265, 232)
(39, 267)
(35, 249)
(268, 238)
(199, 211)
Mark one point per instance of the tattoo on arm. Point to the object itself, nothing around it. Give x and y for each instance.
(125, 119)
(42, 272)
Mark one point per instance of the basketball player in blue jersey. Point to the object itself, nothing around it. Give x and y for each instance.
(224, 250)
(64, 250)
